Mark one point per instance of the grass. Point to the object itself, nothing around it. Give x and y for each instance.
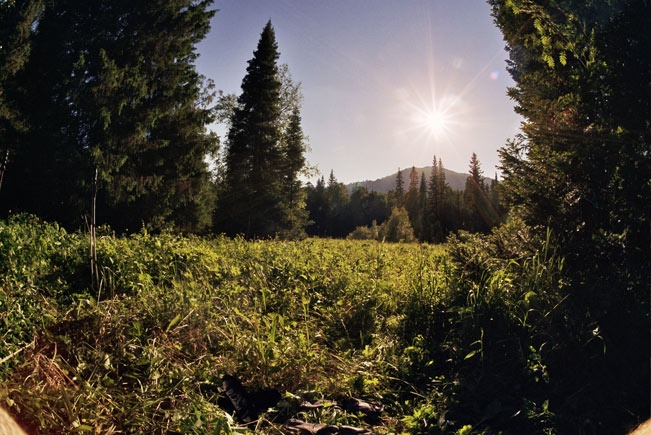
(448, 338)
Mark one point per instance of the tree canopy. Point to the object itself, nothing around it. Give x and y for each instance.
(582, 167)
(111, 87)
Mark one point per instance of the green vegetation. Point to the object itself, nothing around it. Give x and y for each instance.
(537, 325)
(434, 209)
(111, 109)
(455, 339)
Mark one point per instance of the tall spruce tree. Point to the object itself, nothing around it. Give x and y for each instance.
(111, 88)
(437, 204)
(582, 73)
(259, 163)
(481, 215)
(399, 191)
(412, 202)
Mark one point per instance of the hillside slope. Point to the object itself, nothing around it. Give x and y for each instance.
(456, 180)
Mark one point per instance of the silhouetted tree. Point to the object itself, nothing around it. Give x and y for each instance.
(581, 168)
(482, 215)
(399, 191)
(111, 87)
(317, 206)
(293, 201)
(261, 196)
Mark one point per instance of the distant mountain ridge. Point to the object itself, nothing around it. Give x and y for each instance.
(456, 180)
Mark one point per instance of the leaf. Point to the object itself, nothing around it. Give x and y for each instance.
(562, 58)
(174, 321)
(470, 355)
(530, 297)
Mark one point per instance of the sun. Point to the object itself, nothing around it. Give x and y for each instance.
(436, 121)
(437, 118)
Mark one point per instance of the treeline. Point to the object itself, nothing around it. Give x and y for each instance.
(104, 120)
(427, 209)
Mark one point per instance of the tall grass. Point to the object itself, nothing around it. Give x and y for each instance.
(449, 339)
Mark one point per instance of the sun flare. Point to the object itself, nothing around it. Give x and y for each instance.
(437, 118)
(436, 121)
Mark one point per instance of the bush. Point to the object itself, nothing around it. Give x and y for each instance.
(396, 229)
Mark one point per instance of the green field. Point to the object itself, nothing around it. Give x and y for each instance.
(449, 338)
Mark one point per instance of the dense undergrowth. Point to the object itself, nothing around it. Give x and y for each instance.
(449, 339)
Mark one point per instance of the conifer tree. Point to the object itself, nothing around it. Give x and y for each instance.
(581, 169)
(399, 192)
(433, 191)
(317, 206)
(423, 234)
(438, 213)
(412, 201)
(112, 87)
(265, 151)
(253, 185)
(293, 202)
(338, 199)
(481, 214)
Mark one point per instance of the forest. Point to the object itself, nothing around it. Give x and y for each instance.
(144, 259)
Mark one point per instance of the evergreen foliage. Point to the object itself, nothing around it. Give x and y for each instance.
(260, 196)
(112, 87)
(399, 192)
(582, 168)
(412, 202)
(16, 20)
(295, 216)
(334, 212)
(481, 208)
(434, 209)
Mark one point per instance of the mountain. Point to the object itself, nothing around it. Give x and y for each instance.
(456, 180)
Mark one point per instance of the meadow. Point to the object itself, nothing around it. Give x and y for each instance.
(450, 338)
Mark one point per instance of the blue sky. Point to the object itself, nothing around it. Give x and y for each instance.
(386, 83)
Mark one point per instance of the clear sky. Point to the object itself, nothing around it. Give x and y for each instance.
(386, 83)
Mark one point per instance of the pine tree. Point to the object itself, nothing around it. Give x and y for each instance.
(399, 192)
(481, 214)
(437, 210)
(411, 201)
(433, 192)
(265, 151)
(252, 185)
(111, 87)
(176, 188)
(581, 168)
(423, 233)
